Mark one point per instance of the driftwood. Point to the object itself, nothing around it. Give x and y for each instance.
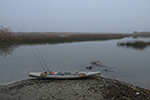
(97, 65)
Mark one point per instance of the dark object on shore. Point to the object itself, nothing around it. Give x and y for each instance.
(140, 45)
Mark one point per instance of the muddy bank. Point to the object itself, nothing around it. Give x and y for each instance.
(96, 88)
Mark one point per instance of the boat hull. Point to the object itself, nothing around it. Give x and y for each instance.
(65, 76)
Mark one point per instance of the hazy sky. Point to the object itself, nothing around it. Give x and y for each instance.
(75, 15)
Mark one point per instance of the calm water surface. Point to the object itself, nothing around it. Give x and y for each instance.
(126, 64)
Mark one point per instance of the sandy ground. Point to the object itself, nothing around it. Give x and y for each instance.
(96, 88)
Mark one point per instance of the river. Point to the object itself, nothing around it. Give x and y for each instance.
(130, 65)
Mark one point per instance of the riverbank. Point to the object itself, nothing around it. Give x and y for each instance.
(60, 37)
(96, 88)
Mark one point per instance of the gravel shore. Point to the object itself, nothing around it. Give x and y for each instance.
(96, 88)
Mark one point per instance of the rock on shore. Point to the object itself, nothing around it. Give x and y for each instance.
(96, 88)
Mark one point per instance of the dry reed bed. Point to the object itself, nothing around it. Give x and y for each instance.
(139, 44)
(41, 39)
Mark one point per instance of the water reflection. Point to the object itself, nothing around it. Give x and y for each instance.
(7, 49)
(135, 43)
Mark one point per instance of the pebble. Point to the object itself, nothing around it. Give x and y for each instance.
(98, 88)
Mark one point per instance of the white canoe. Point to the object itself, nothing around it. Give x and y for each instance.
(64, 75)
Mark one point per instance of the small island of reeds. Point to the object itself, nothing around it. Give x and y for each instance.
(139, 44)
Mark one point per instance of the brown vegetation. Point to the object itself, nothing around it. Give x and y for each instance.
(6, 34)
(135, 44)
(41, 39)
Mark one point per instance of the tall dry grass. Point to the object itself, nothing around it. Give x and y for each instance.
(7, 36)
(41, 39)
(139, 44)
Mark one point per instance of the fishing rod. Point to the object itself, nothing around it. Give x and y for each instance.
(38, 59)
(42, 59)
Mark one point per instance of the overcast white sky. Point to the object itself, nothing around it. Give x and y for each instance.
(123, 16)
